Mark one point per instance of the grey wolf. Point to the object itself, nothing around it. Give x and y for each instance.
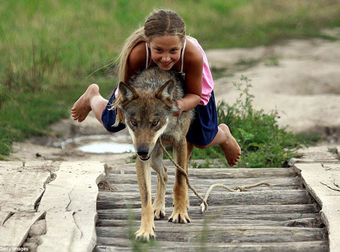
(148, 104)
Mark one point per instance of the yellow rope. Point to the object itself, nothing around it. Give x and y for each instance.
(204, 205)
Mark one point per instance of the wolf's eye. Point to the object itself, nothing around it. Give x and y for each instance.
(133, 122)
(155, 122)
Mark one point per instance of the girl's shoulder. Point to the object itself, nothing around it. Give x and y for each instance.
(137, 57)
(138, 52)
(192, 55)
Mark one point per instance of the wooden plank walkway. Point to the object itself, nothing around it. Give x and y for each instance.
(49, 206)
(286, 218)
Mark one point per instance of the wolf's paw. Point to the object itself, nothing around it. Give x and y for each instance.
(159, 214)
(145, 235)
(179, 217)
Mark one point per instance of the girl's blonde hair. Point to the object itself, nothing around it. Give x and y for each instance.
(158, 24)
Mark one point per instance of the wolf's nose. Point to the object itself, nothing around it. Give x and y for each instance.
(142, 151)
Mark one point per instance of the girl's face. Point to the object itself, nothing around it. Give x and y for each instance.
(165, 51)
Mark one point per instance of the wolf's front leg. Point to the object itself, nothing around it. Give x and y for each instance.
(146, 230)
(159, 202)
(181, 197)
(159, 167)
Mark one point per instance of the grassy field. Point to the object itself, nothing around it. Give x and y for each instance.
(52, 50)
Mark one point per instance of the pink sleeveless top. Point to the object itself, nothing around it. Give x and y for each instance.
(207, 80)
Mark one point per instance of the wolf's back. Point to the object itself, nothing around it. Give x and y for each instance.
(153, 78)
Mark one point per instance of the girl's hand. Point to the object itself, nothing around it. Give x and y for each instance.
(178, 105)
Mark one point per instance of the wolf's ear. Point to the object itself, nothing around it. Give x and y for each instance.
(127, 92)
(165, 92)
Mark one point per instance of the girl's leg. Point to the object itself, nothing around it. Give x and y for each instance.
(228, 144)
(91, 100)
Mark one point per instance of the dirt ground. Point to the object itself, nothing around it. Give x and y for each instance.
(299, 79)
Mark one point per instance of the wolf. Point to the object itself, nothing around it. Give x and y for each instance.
(148, 105)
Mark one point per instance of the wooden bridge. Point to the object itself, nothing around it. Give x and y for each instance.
(285, 218)
(57, 206)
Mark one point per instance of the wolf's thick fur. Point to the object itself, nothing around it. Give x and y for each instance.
(148, 104)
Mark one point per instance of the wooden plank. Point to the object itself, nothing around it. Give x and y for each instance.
(219, 172)
(223, 218)
(287, 220)
(15, 229)
(201, 189)
(222, 173)
(21, 187)
(311, 246)
(231, 234)
(70, 206)
(122, 200)
(322, 181)
(129, 182)
(251, 212)
(219, 221)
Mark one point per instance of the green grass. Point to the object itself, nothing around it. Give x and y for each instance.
(52, 50)
(263, 142)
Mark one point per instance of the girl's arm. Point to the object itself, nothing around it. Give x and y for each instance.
(136, 60)
(193, 67)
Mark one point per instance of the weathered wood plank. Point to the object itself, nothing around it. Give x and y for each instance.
(70, 206)
(218, 221)
(322, 181)
(311, 246)
(121, 200)
(291, 219)
(15, 229)
(223, 173)
(220, 173)
(231, 234)
(129, 182)
(26, 186)
(242, 172)
(21, 187)
(245, 212)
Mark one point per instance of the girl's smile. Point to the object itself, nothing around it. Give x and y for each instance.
(166, 51)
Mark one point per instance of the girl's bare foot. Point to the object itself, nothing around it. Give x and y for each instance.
(82, 106)
(231, 149)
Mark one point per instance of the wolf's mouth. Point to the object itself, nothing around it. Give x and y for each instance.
(144, 157)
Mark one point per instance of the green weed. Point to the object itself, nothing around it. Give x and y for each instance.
(335, 152)
(263, 142)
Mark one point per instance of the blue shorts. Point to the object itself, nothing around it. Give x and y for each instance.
(202, 131)
(204, 127)
(109, 116)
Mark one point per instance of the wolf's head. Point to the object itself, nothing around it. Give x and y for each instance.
(146, 114)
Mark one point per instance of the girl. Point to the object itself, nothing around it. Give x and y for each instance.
(162, 42)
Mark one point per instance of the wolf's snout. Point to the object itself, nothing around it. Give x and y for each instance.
(143, 153)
